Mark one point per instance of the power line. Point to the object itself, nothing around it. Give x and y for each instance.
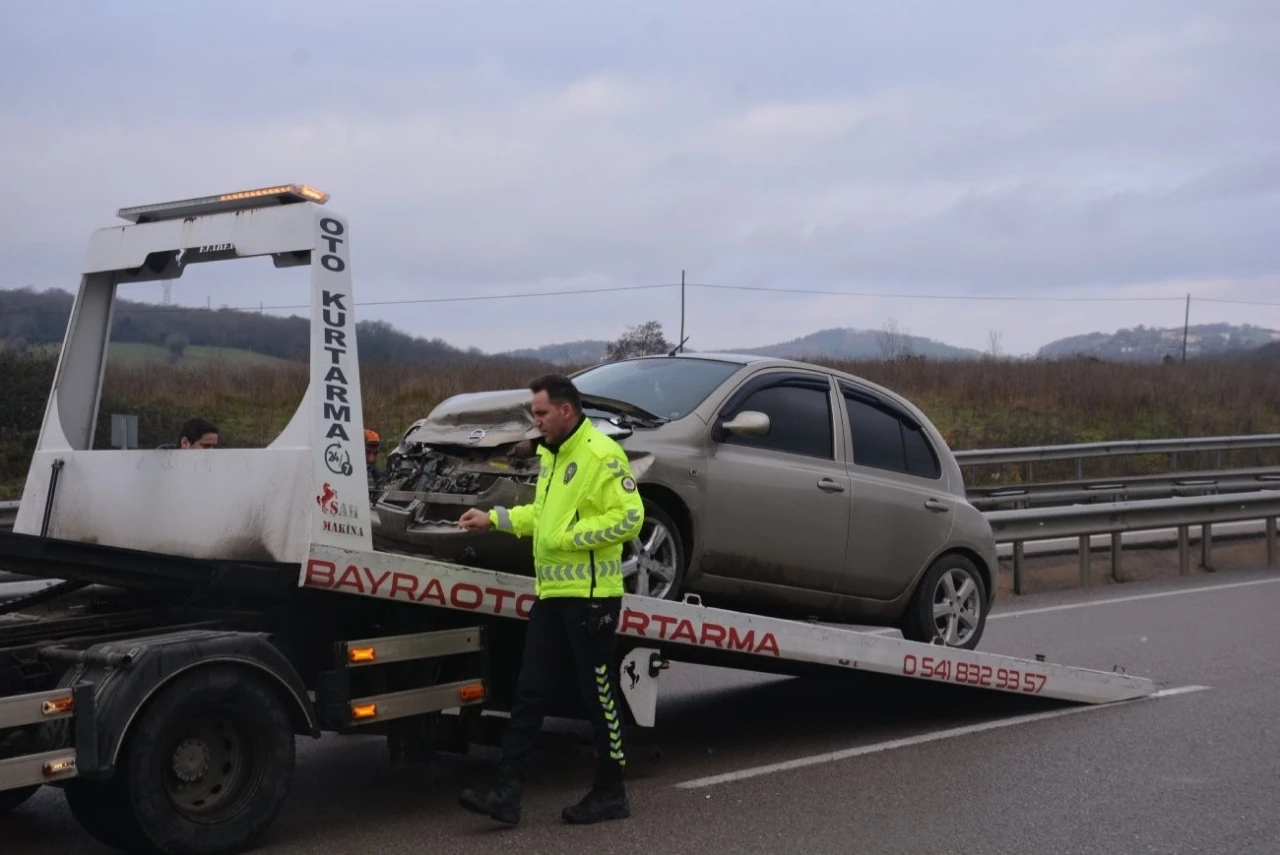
(1233, 302)
(164, 310)
(1019, 298)
(908, 296)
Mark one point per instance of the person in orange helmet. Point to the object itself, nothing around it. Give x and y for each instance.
(372, 443)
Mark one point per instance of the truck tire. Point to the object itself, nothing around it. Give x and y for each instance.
(209, 762)
(10, 799)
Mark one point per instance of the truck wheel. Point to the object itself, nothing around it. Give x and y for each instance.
(210, 762)
(10, 799)
(950, 606)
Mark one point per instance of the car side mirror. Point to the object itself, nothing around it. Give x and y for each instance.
(748, 423)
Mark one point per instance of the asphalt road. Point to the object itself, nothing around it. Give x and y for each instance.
(1196, 771)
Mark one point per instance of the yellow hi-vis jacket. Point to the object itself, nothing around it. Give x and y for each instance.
(587, 506)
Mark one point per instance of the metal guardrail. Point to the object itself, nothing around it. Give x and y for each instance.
(1120, 448)
(1118, 518)
(1234, 496)
(1013, 496)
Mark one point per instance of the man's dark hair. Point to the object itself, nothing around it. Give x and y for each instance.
(559, 389)
(194, 428)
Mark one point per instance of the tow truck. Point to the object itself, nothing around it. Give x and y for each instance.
(204, 609)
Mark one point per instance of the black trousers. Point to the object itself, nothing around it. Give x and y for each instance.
(557, 640)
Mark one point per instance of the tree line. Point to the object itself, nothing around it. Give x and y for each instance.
(30, 317)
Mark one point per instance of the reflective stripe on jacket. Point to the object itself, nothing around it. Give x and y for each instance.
(586, 507)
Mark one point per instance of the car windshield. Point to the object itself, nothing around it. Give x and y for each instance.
(668, 388)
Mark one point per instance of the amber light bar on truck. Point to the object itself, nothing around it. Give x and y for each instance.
(280, 194)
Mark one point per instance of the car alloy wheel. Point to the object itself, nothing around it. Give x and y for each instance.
(957, 607)
(651, 562)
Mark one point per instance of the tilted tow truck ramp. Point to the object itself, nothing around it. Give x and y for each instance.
(666, 629)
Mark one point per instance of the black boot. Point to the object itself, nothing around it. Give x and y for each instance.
(501, 801)
(605, 801)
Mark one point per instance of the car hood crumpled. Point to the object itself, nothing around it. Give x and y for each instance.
(486, 420)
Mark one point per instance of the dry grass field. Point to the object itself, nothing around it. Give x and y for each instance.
(976, 404)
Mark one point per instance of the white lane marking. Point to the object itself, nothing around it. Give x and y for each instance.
(951, 733)
(1200, 589)
(871, 629)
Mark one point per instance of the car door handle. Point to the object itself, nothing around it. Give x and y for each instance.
(937, 505)
(830, 486)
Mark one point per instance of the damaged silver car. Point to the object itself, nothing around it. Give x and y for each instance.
(769, 485)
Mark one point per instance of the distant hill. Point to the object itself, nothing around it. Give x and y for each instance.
(30, 318)
(588, 351)
(832, 343)
(1268, 352)
(846, 343)
(1152, 344)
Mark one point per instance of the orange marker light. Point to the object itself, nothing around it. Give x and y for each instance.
(364, 711)
(57, 706)
(471, 693)
(361, 654)
(57, 767)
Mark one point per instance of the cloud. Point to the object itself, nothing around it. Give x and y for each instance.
(497, 148)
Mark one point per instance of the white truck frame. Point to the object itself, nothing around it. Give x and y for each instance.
(300, 506)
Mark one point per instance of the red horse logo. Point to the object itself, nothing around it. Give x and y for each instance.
(328, 500)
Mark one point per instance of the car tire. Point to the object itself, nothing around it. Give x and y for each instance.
(668, 553)
(950, 574)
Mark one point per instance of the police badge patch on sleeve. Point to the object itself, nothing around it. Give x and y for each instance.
(570, 472)
(629, 484)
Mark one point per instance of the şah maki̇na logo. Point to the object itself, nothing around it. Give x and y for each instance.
(328, 500)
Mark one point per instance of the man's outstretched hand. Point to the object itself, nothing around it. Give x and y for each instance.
(475, 520)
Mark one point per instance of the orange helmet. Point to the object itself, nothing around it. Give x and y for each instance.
(371, 438)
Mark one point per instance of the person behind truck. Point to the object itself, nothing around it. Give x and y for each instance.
(587, 507)
(372, 444)
(196, 433)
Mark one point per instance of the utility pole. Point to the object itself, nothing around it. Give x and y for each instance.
(1186, 325)
(681, 310)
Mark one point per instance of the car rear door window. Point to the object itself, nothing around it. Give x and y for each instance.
(799, 421)
(886, 439)
(921, 459)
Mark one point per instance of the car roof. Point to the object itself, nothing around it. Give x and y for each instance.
(756, 359)
(738, 358)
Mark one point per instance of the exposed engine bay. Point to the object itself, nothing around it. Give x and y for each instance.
(439, 484)
(426, 488)
(475, 450)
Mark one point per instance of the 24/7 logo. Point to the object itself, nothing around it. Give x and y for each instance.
(337, 460)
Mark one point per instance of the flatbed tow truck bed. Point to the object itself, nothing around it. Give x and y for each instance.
(162, 680)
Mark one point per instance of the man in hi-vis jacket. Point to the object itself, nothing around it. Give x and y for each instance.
(586, 507)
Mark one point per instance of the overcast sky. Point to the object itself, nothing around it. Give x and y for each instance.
(969, 149)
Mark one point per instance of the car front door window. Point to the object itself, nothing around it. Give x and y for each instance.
(799, 421)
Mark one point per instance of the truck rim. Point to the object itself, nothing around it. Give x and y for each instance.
(215, 767)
